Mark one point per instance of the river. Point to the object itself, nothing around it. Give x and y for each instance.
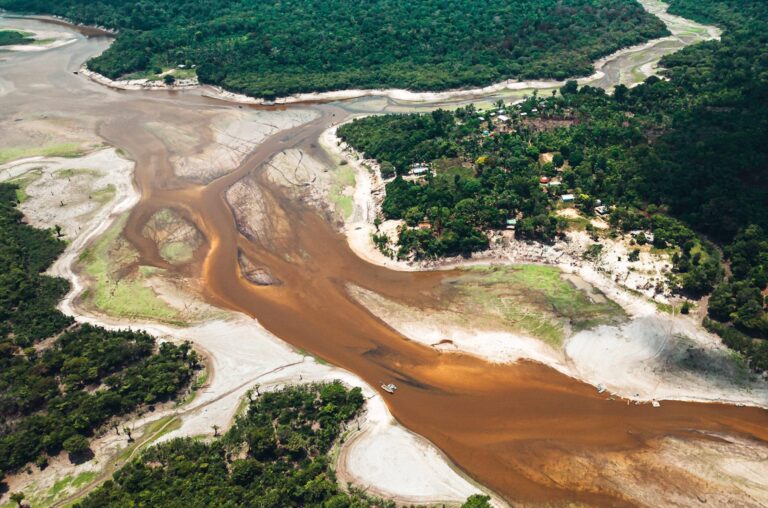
(504, 425)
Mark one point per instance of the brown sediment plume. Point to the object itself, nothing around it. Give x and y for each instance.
(513, 428)
(505, 425)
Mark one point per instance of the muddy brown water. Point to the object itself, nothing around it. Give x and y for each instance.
(509, 427)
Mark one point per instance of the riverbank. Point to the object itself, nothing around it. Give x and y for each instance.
(41, 40)
(632, 73)
(239, 354)
(647, 361)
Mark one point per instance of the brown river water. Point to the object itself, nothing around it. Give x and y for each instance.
(509, 427)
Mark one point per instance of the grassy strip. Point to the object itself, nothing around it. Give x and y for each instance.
(535, 300)
(343, 178)
(125, 297)
(55, 150)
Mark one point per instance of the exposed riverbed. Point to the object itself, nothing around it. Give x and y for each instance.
(526, 431)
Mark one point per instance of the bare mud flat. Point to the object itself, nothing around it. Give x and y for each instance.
(524, 430)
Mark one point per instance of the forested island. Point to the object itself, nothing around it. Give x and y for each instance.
(60, 382)
(270, 49)
(682, 156)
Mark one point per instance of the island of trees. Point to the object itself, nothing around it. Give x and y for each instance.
(60, 382)
(269, 48)
(683, 157)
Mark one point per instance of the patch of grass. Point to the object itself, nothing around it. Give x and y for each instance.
(343, 177)
(24, 181)
(176, 252)
(55, 150)
(124, 297)
(42, 42)
(304, 352)
(73, 172)
(104, 195)
(196, 385)
(577, 223)
(183, 73)
(532, 299)
(152, 428)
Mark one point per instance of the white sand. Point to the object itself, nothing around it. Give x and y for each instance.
(631, 361)
(675, 24)
(241, 353)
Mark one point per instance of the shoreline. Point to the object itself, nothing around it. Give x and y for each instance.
(505, 347)
(238, 353)
(216, 92)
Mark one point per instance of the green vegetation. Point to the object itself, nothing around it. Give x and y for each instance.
(54, 394)
(270, 48)
(343, 179)
(532, 299)
(275, 455)
(23, 181)
(12, 37)
(667, 158)
(55, 150)
(120, 296)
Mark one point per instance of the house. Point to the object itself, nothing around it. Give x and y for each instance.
(503, 118)
(568, 198)
(544, 180)
(554, 183)
(419, 168)
(601, 210)
(511, 223)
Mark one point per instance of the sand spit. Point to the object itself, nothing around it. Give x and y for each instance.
(138, 84)
(43, 40)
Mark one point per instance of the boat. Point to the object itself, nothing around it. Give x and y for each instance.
(655, 403)
(600, 388)
(389, 388)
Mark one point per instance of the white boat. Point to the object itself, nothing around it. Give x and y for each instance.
(600, 388)
(389, 388)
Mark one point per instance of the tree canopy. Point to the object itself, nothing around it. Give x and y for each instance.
(54, 395)
(270, 48)
(683, 157)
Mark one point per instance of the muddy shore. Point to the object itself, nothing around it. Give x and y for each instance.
(525, 430)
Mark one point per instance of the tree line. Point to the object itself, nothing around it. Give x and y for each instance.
(269, 48)
(683, 156)
(60, 382)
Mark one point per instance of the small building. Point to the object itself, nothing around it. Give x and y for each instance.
(568, 198)
(511, 223)
(554, 183)
(544, 180)
(601, 210)
(419, 169)
(503, 118)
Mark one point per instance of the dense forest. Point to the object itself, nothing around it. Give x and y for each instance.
(60, 382)
(683, 157)
(276, 455)
(270, 48)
